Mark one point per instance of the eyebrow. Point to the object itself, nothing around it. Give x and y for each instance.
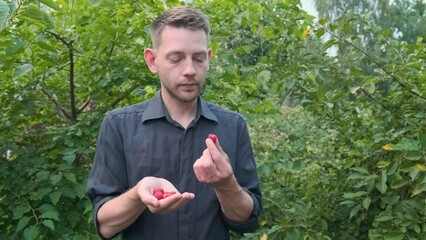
(179, 53)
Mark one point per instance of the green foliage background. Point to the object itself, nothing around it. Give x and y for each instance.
(340, 139)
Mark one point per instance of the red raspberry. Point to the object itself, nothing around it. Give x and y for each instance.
(158, 190)
(213, 137)
(158, 195)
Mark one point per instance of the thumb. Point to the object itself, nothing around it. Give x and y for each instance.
(215, 150)
(152, 201)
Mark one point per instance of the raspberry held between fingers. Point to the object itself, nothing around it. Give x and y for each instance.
(213, 137)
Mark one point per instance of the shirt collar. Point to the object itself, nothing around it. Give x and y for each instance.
(156, 109)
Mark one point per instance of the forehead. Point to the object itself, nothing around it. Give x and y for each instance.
(182, 39)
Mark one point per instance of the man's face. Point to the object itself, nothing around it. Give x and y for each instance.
(182, 61)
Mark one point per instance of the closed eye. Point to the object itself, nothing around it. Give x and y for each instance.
(174, 60)
(200, 60)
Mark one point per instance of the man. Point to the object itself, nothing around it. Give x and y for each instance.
(162, 143)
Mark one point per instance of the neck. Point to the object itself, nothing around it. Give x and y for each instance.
(181, 112)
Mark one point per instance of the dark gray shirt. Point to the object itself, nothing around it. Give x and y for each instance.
(142, 140)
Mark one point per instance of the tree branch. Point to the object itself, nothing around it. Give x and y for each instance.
(71, 81)
(139, 4)
(68, 45)
(81, 109)
(123, 96)
(57, 104)
(384, 69)
(71, 73)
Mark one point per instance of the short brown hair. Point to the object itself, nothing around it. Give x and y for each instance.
(180, 17)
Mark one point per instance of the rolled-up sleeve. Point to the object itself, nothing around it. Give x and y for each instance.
(107, 178)
(246, 174)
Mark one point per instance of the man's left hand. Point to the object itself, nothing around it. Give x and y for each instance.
(214, 167)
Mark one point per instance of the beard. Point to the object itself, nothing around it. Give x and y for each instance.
(179, 92)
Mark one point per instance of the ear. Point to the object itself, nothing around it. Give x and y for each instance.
(209, 53)
(150, 56)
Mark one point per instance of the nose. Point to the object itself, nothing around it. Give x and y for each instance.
(188, 68)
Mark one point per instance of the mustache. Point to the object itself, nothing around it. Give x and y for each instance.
(190, 81)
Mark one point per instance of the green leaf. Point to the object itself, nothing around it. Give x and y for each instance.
(370, 182)
(31, 233)
(269, 33)
(392, 168)
(22, 223)
(381, 183)
(391, 200)
(329, 44)
(274, 229)
(354, 195)
(69, 158)
(34, 15)
(46, 46)
(55, 196)
(413, 174)
(320, 32)
(264, 76)
(42, 175)
(51, 4)
(418, 189)
(416, 228)
(399, 184)
(50, 215)
(292, 234)
(71, 177)
(366, 202)
(4, 13)
(49, 224)
(406, 145)
(20, 210)
(360, 169)
(394, 236)
(88, 207)
(422, 139)
(356, 176)
(322, 21)
(347, 202)
(54, 179)
(355, 211)
(413, 155)
(383, 218)
(353, 90)
(382, 164)
(22, 70)
(17, 47)
(263, 169)
(214, 46)
(370, 88)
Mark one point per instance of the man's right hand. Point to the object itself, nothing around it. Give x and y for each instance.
(119, 213)
(145, 189)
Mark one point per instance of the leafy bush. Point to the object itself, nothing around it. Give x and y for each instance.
(347, 160)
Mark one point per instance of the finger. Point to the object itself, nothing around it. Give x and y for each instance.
(219, 147)
(198, 171)
(151, 200)
(185, 198)
(188, 195)
(216, 152)
(208, 166)
(165, 204)
(215, 143)
(172, 203)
